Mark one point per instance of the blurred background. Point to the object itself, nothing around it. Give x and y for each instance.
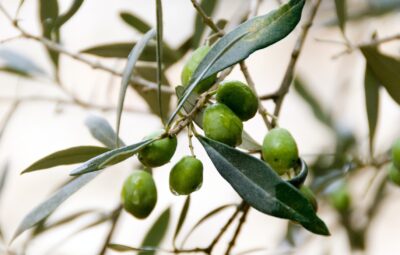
(48, 120)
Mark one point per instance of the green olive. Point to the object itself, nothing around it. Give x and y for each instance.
(139, 194)
(186, 176)
(394, 174)
(340, 199)
(221, 124)
(309, 194)
(396, 153)
(280, 151)
(239, 98)
(158, 152)
(191, 66)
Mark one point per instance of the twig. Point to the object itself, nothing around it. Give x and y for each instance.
(238, 229)
(207, 19)
(137, 81)
(8, 117)
(288, 78)
(114, 220)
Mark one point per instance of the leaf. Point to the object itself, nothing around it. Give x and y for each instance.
(261, 187)
(127, 74)
(237, 45)
(156, 233)
(16, 63)
(125, 248)
(208, 6)
(341, 8)
(111, 157)
(312, 101)
(48, 206)
(102, 131)
(386, 70)
(3, 177)
(68, 156)
(248, 143)
(206, 217)
(62, 19)
(159, 55)
(181, 220)
(135, 22)
(48, 10)
(371, 85)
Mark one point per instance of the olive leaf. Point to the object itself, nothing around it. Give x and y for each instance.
(48, 206)
(182, 218)
(341, 13)
(261, 187)
(18, 64)
(237, 45)
(159, 55)
(248, 143)
(3, 177)
(386, 70)
(48, 12)
(63, 18)
(101, 130)
(371, 85)
(135, 22)
(68, 156)
(111, 157)
(127, 74)
(157, 232)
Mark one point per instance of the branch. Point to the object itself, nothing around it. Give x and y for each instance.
(238, 228)
(137, 81)
(207, 20)
(114, 220)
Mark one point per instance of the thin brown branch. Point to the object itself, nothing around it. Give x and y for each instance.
(288, 78)
(114, 220)
(207, 20)
(136, 81)
(238, 229)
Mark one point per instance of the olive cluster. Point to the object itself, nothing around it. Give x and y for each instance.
(394, 167)
(222, 121)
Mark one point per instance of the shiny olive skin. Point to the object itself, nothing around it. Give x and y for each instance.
(396, 153)
(280, 151)
(221, 124)
(186, 176)
(340, 199)
(139, 194)
(309, 194)
(239, 98)
(394, 174)
(158, 152)
(191, 65)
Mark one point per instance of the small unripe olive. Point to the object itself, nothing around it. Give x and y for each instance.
(186, 176)
(394, 174)
(309, 194)
(396, 153)
(239, 98)
(158, 152)
(340, 199)
(191, 65)
(279, 150)
(221, 124)
(139, 194)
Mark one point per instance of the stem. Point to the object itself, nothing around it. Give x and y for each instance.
(238, 229)
(114, 221)
(207, 20)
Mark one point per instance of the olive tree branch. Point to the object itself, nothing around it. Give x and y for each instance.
(137, 81)
(207, 20)
(280, 94)
(238, 229)
(114, 220)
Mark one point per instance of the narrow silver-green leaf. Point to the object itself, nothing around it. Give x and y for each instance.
(125, 248)
(68, 156)
(102, 131)
(135, 22)
(261, 187)
(63, 18)
(159, 54)
(48, 12)
(156, 233)
(127, 74)
(386, 70)
(111, 157)
(182, 218)
(16, 63)
(371, 85)
(341, 13)
(48, 206)
(237, 45)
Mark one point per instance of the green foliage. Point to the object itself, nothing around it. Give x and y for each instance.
(395, 153)
(371, 85)
(341, 12)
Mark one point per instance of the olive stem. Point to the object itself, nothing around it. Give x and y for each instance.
(114, 220)
(137, 82)
(207, 20)
(238, 229)
(190, 138)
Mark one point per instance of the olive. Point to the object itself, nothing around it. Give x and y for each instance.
(186, 176)
(221, 124)
(340, 199)
(396, 153)
(191, 66)
(139, 194)
(280, 151)
(158, 152)
(239, 98)
(394, 174)
(309, 194)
